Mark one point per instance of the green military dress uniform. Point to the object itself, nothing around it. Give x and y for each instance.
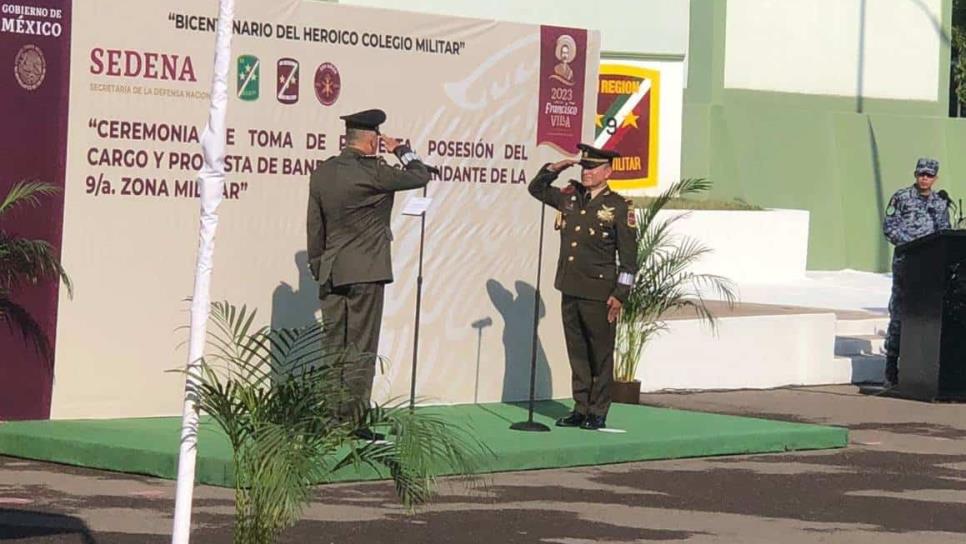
(349, 211)
(593, 231)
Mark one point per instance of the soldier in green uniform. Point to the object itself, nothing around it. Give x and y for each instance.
(596, 225)
(349, 209)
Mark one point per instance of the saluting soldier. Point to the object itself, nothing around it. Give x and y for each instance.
(349, 210)
(596, 225)
(913, 212)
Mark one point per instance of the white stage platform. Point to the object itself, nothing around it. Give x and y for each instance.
(758, 346)
(838, 290)
(791, 327)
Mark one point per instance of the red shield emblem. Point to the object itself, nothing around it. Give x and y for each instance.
(328, 84)
(287, 81)
(627, 122)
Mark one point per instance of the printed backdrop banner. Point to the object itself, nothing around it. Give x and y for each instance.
(464, 92)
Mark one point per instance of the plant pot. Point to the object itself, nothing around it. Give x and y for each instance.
(626, 392)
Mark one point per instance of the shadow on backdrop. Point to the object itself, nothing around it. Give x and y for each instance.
(479, 325)
(295, 307)
(517, 313)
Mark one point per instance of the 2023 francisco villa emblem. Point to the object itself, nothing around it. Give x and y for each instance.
(30, 67)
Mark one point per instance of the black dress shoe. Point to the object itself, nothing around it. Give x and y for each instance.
(575, 419)
(368, 435)
(592, 423)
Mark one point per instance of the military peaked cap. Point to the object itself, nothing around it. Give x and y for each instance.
(365, 120)
(591, 157)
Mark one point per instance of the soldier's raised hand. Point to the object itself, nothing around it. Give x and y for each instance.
(560, 166)
(390, 143)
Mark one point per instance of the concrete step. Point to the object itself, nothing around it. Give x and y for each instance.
(760, 351)
(865, 368)
(862, 327)
(859, 345)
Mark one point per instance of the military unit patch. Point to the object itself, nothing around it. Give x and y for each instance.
(891, 207)
(606, 214)
(248, 76)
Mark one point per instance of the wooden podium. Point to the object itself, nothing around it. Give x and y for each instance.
(932, 359)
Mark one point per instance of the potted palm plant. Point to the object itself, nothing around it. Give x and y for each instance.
(275, 394)
(663, 283)
(26, 262)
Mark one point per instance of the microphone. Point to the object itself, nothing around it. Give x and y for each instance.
(949, 203)
(480, 323)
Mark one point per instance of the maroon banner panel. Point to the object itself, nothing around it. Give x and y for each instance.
(563, 63)
(34, 87)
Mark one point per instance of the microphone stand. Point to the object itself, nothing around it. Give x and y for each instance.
(419, 298)
(531, 425)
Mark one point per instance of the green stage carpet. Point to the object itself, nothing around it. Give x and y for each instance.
(150, 445)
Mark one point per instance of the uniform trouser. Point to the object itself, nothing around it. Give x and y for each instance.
(590, 347)
(894, 333)
(352, 318)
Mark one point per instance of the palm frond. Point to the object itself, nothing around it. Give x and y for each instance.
(664, 282)
(26, 262)
(277, 393)
(19, 320)
(26, 193)
(421, 446)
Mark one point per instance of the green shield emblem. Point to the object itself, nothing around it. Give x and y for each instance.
(248, 76)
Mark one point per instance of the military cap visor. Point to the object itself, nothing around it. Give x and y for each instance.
(365, 120)
(592, 157)
(590, 164)
(927, 166)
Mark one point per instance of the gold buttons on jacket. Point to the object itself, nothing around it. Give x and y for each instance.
(571, 258)
(573, 244)
(583, 212)
(577, 228)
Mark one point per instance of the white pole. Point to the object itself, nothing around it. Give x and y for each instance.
(211, 179)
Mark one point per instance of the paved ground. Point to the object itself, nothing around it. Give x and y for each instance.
(903, 479)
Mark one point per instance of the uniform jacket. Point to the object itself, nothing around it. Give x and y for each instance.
(910, 215)
(593, 234)
(349, 210)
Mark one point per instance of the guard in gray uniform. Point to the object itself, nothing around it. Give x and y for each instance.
(913, 212)
(597, 227)
(349, 208)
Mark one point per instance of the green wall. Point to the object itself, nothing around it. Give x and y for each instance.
(838, 157)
